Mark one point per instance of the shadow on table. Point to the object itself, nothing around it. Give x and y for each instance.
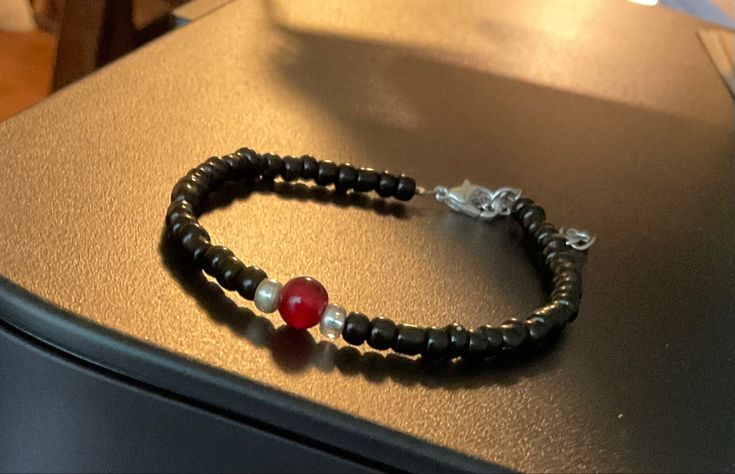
(296, 351)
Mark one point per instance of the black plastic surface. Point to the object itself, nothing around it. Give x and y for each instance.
(75, 398)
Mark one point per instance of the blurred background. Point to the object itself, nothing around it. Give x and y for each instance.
(47, 44)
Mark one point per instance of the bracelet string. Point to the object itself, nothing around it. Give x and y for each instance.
(303, 302)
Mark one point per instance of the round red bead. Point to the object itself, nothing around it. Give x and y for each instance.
(303, 300)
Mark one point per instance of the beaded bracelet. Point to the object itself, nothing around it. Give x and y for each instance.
(303, 302)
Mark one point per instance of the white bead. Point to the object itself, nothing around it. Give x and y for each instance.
(333, 319)
(268, 295)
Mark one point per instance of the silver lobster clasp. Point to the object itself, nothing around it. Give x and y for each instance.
(477, 201)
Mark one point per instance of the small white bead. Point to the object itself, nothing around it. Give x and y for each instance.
(333, 319)
(268, 295)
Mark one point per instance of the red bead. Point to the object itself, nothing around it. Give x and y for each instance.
(303, 300)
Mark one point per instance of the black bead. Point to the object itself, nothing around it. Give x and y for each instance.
(567, 288)
(367, 180)
(477, 346)
(557, 314)
(179, 208)
(274, 166)
(356, 328)
(177, 226)
(405, 189)
(520, 204)
(292, 168)
(190, 226)
(410, 340)
(543, 230)
(187, 190)
(310, 168)
(212, 257)
(176, 220)
(227, 271)
(214, 170)
(437, 343)
(562, 263)
(515, 333)
(247, 281)
(533, 216)
(256, 164)
(494, 338)
(233, 164)
(387, 185)
(538, 327)
(382, 333)
(459, 338)
(327, 173)
(571, 304)
(553, 238)
(555, 245)
(222, 170)
(567, 277)
(346, 178)
(196, 243)
(199, 177)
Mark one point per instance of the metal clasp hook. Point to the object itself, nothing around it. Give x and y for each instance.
(477, 201)
(578, 239)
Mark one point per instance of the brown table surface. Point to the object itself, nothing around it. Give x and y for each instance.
(608, 113)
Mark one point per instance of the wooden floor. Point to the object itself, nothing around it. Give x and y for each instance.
(26, 66)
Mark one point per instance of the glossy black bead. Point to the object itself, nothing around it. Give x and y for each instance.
(367, 180)
(551, 238)
(310, 168)
(327, 173)
(255, 162)
(292, 168)
(410, 339)
(346, 178)
(233, 165)
(567, 277)
(571, 304)
(520, 204)
(544, 229)
(213, 256)
(563, 263)
(199, 177)
(515, 333)
(196, 242)
(356, 328)
(494, 338)
(189, 226)
(247, 281)
(437, 343)
(178, 216)
(222, 170)
(177, 225)
(387, 185)
(214, 171)
(382, 333)
(186, 190)
(274, 166)
(538, 328)
(227, 271)
(459, 339)
(567, 288)
(557, 314)
(405, 189)
(532, 218)
(477, 347)
(555, 246)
